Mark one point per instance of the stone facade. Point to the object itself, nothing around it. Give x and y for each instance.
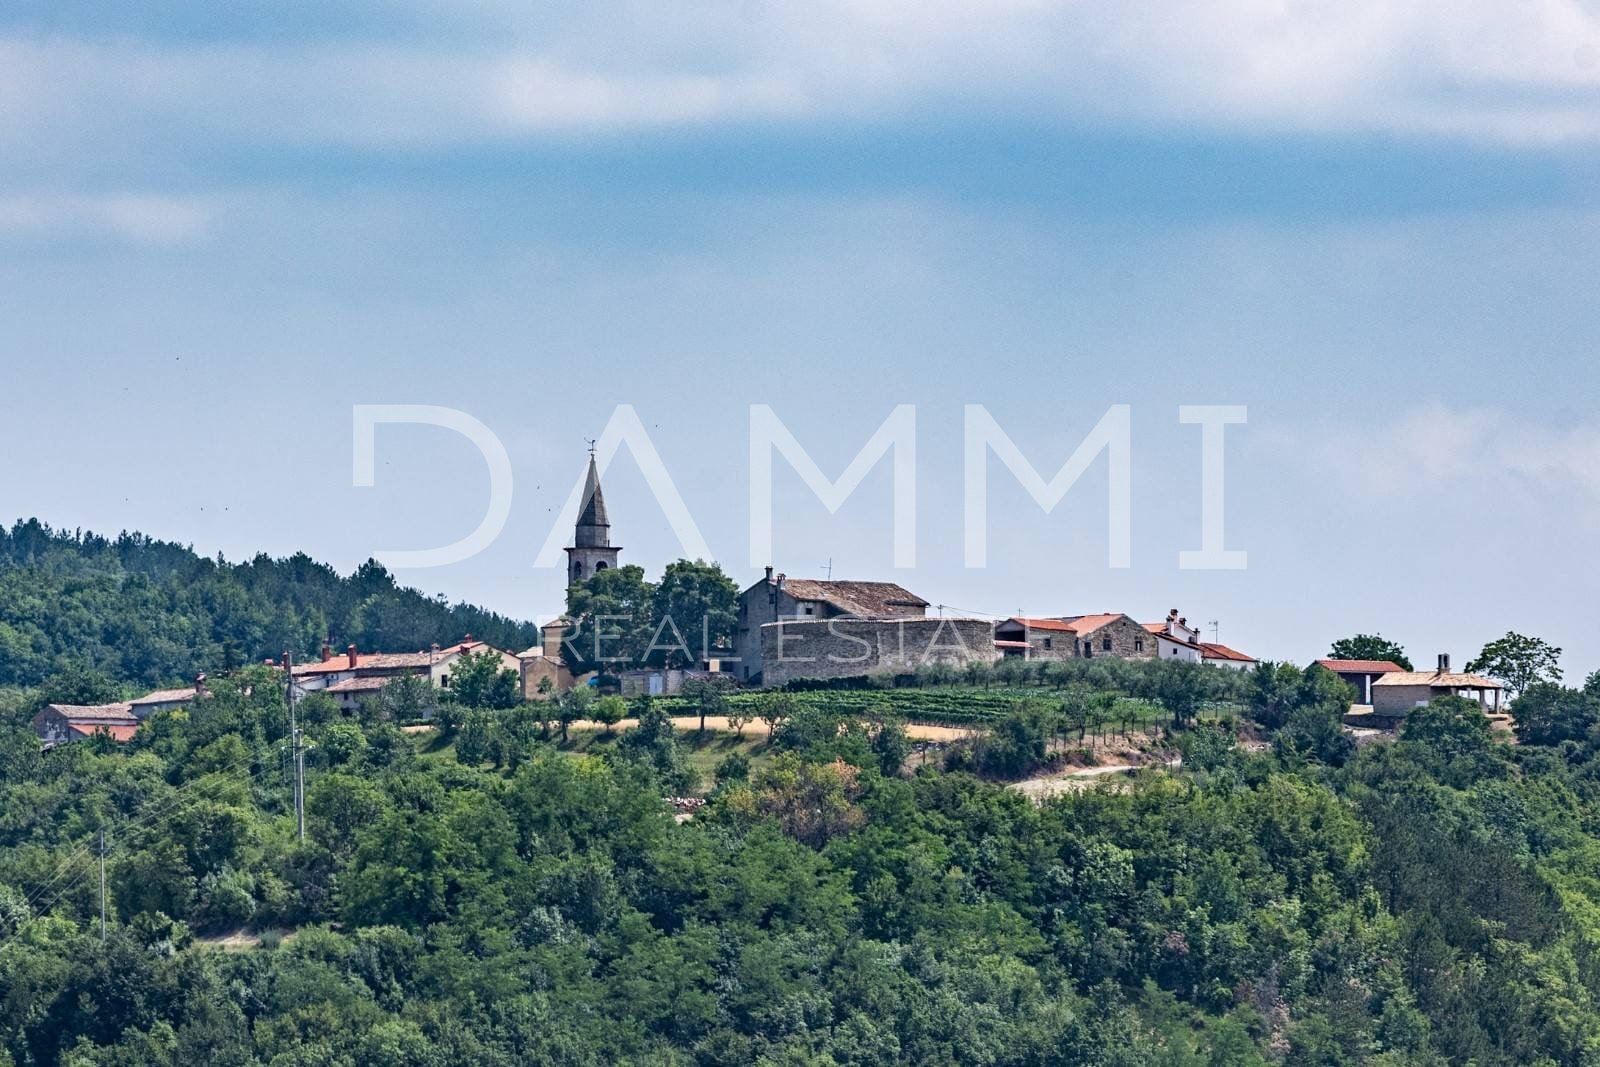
(777, 598)
(844, 647)
(1077, 637)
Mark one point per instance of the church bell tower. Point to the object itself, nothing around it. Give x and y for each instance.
(592, 550)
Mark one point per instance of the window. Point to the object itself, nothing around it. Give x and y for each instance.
(444, 681)
(577, 569)
(808, 609)
(598, 567)
(1105, 643)
(1138, 644)
(1047, 642)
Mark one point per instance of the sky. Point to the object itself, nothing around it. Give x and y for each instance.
(223, 227)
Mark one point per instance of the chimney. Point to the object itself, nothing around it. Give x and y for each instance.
(1444, 663)
(200, 685)
(351, 652)
(769, 572)
(327, 652)
(285, 662)
(467, 640)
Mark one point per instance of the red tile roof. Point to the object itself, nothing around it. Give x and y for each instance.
(1360, 666)
(1211, 650)
(1068, 624)
(120, 732)
(387, 661)
(166, 696)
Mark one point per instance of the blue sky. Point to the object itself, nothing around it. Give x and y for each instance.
(220, 229)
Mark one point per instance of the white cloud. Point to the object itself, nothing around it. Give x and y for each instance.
(143, 219)
(1473, 69)
(1435, 452)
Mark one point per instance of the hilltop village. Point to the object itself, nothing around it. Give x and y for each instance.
(787, 631)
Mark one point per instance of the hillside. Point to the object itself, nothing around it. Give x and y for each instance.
(146, 611)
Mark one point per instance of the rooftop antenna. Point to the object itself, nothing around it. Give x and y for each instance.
(830, 568)
(1215, 630)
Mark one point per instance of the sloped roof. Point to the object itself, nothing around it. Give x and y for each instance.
(1360, 666)
(1160, 630)
(1069, 624)
(120, 712)
(165, 696)
(1439, 680)
(854, 598)
(121, 732)
(390, 661)
(1212, 650)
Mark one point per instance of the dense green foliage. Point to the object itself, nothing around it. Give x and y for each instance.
(1430, 900)
(619, 619)
(148, 612)
(1370, 646)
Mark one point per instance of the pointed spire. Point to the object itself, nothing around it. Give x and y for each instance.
(593, 529)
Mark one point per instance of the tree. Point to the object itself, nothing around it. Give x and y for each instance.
(1519, 661)
(1370, 646)
(479, 680)
(1547, 714)
(612, 620)
(408, 698)
(608, 711)
(774, 709)
(708, 696)
(738, 718)
(572, 706)
(1274, 692)
(697, 603)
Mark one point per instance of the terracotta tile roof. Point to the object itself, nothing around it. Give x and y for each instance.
(165, 696)
(1360, 666)
(1068, 624)
(1438, 680)
(1160, 630)
(388, 661)
(866, 599)
(121, 712)
(120, 732)
(1211, 650)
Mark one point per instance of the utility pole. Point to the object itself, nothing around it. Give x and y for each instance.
(299, 757)
(102, 887)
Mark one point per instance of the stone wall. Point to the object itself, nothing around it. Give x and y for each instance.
(848, 647)
(1129, 640)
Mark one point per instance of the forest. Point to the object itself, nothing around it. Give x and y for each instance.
(518, 883)
(150, 612)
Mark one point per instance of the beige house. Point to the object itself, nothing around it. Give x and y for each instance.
(1395, 694)
(544, 661)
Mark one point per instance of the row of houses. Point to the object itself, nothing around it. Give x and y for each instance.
(59, 724)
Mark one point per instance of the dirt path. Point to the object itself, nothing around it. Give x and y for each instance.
(1076, 780)
(756, 728)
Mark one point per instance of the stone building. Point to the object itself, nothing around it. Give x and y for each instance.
(1395, 694)
(591, 551)
(1359, 674)
(60, 724)
(777, 598)
(544, 661)
(1075, 637)
(353, 676)
(843, 646)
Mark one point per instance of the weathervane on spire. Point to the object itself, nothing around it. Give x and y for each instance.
(592, 443)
